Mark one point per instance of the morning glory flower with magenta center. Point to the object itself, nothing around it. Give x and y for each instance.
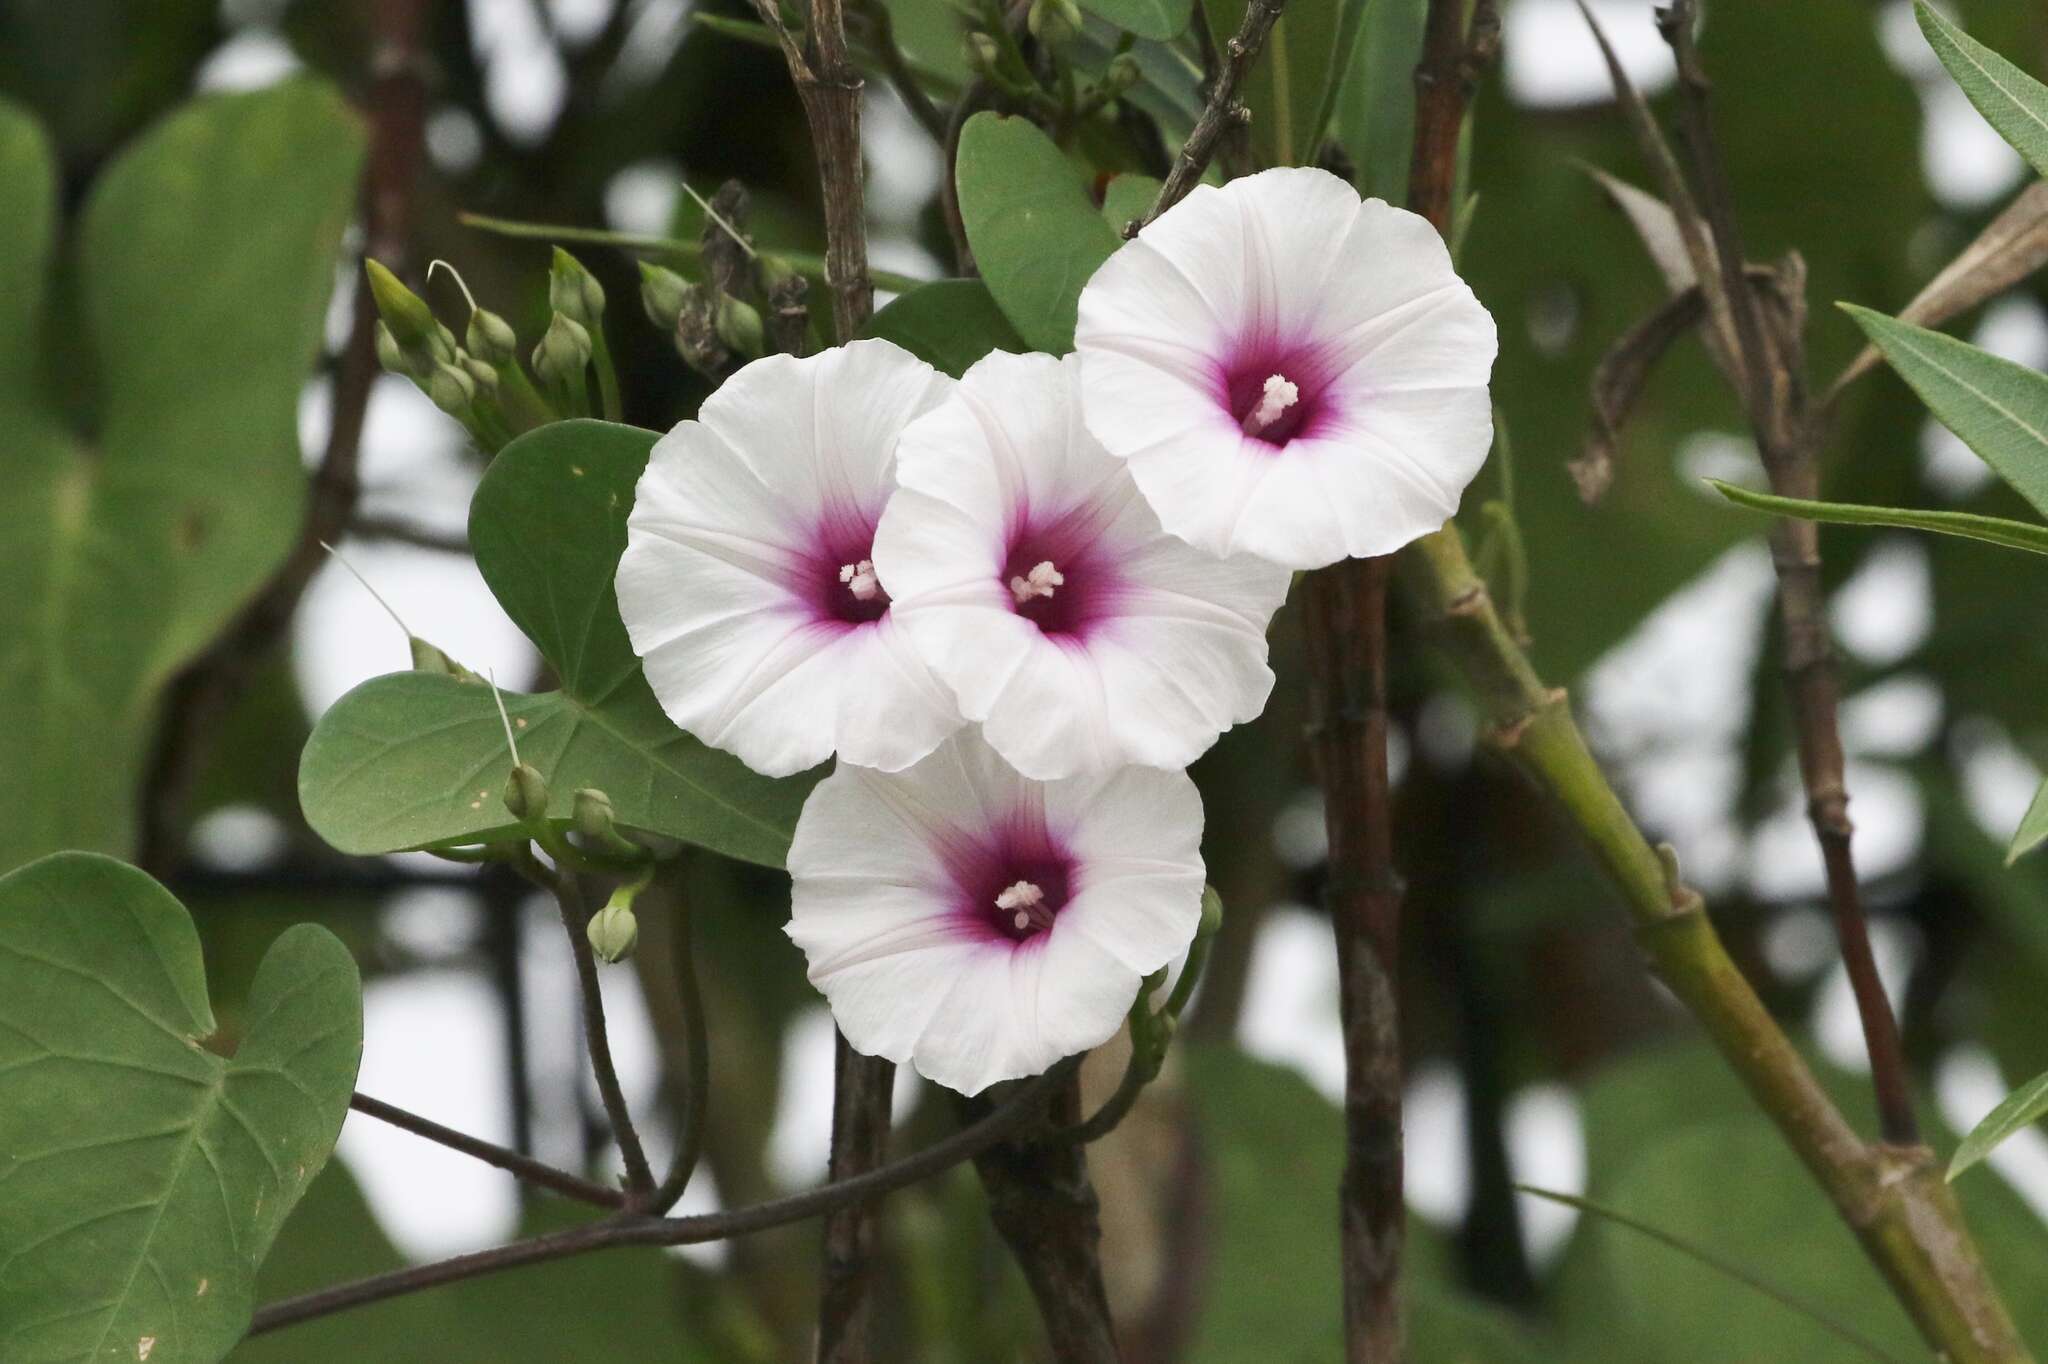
(1035, 581)
(977, 925)
(748, 583)
(1290, 371)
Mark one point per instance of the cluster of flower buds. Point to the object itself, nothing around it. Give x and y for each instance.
(480, 381)
(1053, 26)
(715, 322)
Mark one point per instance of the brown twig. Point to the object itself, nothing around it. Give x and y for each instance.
(1223, 111)
(1016, 1115)
(829, 85)
(1768, 373)
(1044, 1207)
(199, 698)
(519, 1166)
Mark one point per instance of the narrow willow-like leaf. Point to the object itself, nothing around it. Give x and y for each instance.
(1374, 104)
(1841, 1330)
(143, 1176)
(1998, 408)
(2011, 101)
(1160, 19)
(1036, 236)
(1994, 530)
(2019, 1110)
(415, 760)
(2033, 830)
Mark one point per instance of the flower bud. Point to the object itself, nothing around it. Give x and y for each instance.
(613, 931)
(411, 321)
(1054, 22)
(592, 813)
(428, 659)
(661, 294)
(563, 352)
(1212, 913)
(573, 290)
(1122, 74)
(451, 388)
(983, 56)
(526, 793)
(739, 326)
(490, 338)
(481, 373)
(390, 354)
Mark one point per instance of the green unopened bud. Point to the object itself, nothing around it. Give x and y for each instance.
(390, 354)
(592, 813)
(773, 272)
(563, 352)
(428, 659)
(613, 931)
(739, 326)
(451, 388)
(573, 290)
(1212, 913)
(526, 793)
(1122, 74)
(490, 338)
(1054, 22)
(661, 294)
(480, 372)
(983, 55)
(405, 312)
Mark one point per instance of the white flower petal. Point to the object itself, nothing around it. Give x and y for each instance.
(890, 873)
(1122, 644)
(735, 585)
(1290, 372)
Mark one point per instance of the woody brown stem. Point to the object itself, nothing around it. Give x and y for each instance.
(1221, 112)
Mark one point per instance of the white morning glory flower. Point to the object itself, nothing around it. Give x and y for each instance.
(748, 583)
(1033, 578)
(1291, 372)
(977, 925)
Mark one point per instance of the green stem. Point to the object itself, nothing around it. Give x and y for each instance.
(607, 376)
(696, 1065)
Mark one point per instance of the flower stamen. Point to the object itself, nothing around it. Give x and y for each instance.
(1279, 394)
(1039, 582)
(860, 580)
(1024, 902)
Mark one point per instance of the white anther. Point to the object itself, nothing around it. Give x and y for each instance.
(1278, 395)
(860, 580)
(1019, 895)
(1039, 582)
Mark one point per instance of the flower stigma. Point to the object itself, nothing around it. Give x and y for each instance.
(1024, 902)
(860, 580)
(1279, 394)
(1039, 582)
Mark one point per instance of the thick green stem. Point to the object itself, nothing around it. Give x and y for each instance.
(1892, 1197)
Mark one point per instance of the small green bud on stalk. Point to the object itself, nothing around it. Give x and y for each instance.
(983, 55)
(1054, 22)
(481, 373)
(451, 388)
(490, 338)
(390, 354)
(1123, 73)
(563, 352)
(1212, 913)
(428, 659)
(592, 813)
(662, 292)
(613, 931)
(739, 326)
(573, 290)
(526, 793)
(411, 321)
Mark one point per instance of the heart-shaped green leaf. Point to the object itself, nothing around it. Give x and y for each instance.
(1127, 198)
(415, 760)
(142, 1176)
(138, 527)
(948, 324)
(1036, 235)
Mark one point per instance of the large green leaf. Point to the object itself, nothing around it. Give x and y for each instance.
(2011, 101)
(1036, 236)
(1995, 530)
(138, 527)
(415, 760)
(948, 324)
(2000, 409)
(1161, 19)
(1284, 89)
(142, 1176)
